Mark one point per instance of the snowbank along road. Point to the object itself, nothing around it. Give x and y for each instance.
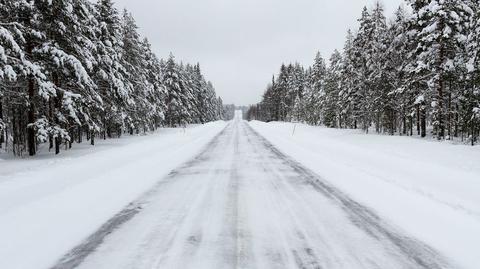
(243, 204)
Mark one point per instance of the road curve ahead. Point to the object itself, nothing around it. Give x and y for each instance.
(243, 204)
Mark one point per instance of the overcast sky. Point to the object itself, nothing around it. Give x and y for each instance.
(241, 43)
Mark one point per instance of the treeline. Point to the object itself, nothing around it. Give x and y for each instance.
(418, 73)
(72, 69)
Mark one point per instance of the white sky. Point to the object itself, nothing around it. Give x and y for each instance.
(241, 43)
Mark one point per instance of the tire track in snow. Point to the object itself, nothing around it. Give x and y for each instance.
(365, 219)
(77, 255)
(241, 203)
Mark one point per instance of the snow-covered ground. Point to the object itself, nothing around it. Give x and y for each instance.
(428, 189)
(243, 204)
(50, 204)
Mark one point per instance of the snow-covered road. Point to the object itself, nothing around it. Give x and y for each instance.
(243, 204)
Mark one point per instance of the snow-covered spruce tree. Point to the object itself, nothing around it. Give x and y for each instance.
(25, 83)
(111, 75)
(66, 62)
(11, 54)
(314, 91)
(156, 92)
(363, 50)
(330, 108)
(211, 104)
(280, 93)
(369, 62)
(297, 110)
(470, 101)
(348, 101)
(382, 107)
(178, 98)
(401, 97)
(189, 102)
(199, 86)
(85, 48)
(133, 58)
(295, 87)
(220, 112)
(267, 108)
(442, 26)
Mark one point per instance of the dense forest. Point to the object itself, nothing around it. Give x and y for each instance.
(73, 70)
(416, 74)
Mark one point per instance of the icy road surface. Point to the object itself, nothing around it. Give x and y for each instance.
(243, 204)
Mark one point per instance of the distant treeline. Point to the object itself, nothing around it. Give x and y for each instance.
(418, 73)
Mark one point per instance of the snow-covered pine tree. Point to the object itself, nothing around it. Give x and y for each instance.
(110, 73)
(330, 108)
(156, 92)
(314, 91)
(470, 101)
(363, 51)
(26, 84)
(133, 59)
(348, 101)
(62, 57)
(11, 54)
(280, 93)
(442, 26)
(401, 97)
(199, 87)
(381, 104)
(177, 113)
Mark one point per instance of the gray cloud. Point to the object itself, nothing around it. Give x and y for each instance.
(240, 43)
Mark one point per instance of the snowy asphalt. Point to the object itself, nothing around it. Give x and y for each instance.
(243, 204)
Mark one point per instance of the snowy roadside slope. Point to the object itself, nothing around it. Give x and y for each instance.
(429, 189)
(50, 207)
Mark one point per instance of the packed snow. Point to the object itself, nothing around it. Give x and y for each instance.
(243, 204)
(426, 188)
(49, 205)
(266, 195)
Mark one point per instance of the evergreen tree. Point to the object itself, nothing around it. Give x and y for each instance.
(330, 109)
(71, 67)
(419, 69)
(441, 31)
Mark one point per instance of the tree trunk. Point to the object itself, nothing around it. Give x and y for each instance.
(57, 107)
(449, 113)
(31, 116)
(423, 122)
(79, 134)
(456, 121)
(50, 142)
(71, 138)
(440, 92)
(50, 118)
(1, 118)
(418, 119)
(92, 138)
(411, 125)
(104, 127)
(473, 133)
(58, 142)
